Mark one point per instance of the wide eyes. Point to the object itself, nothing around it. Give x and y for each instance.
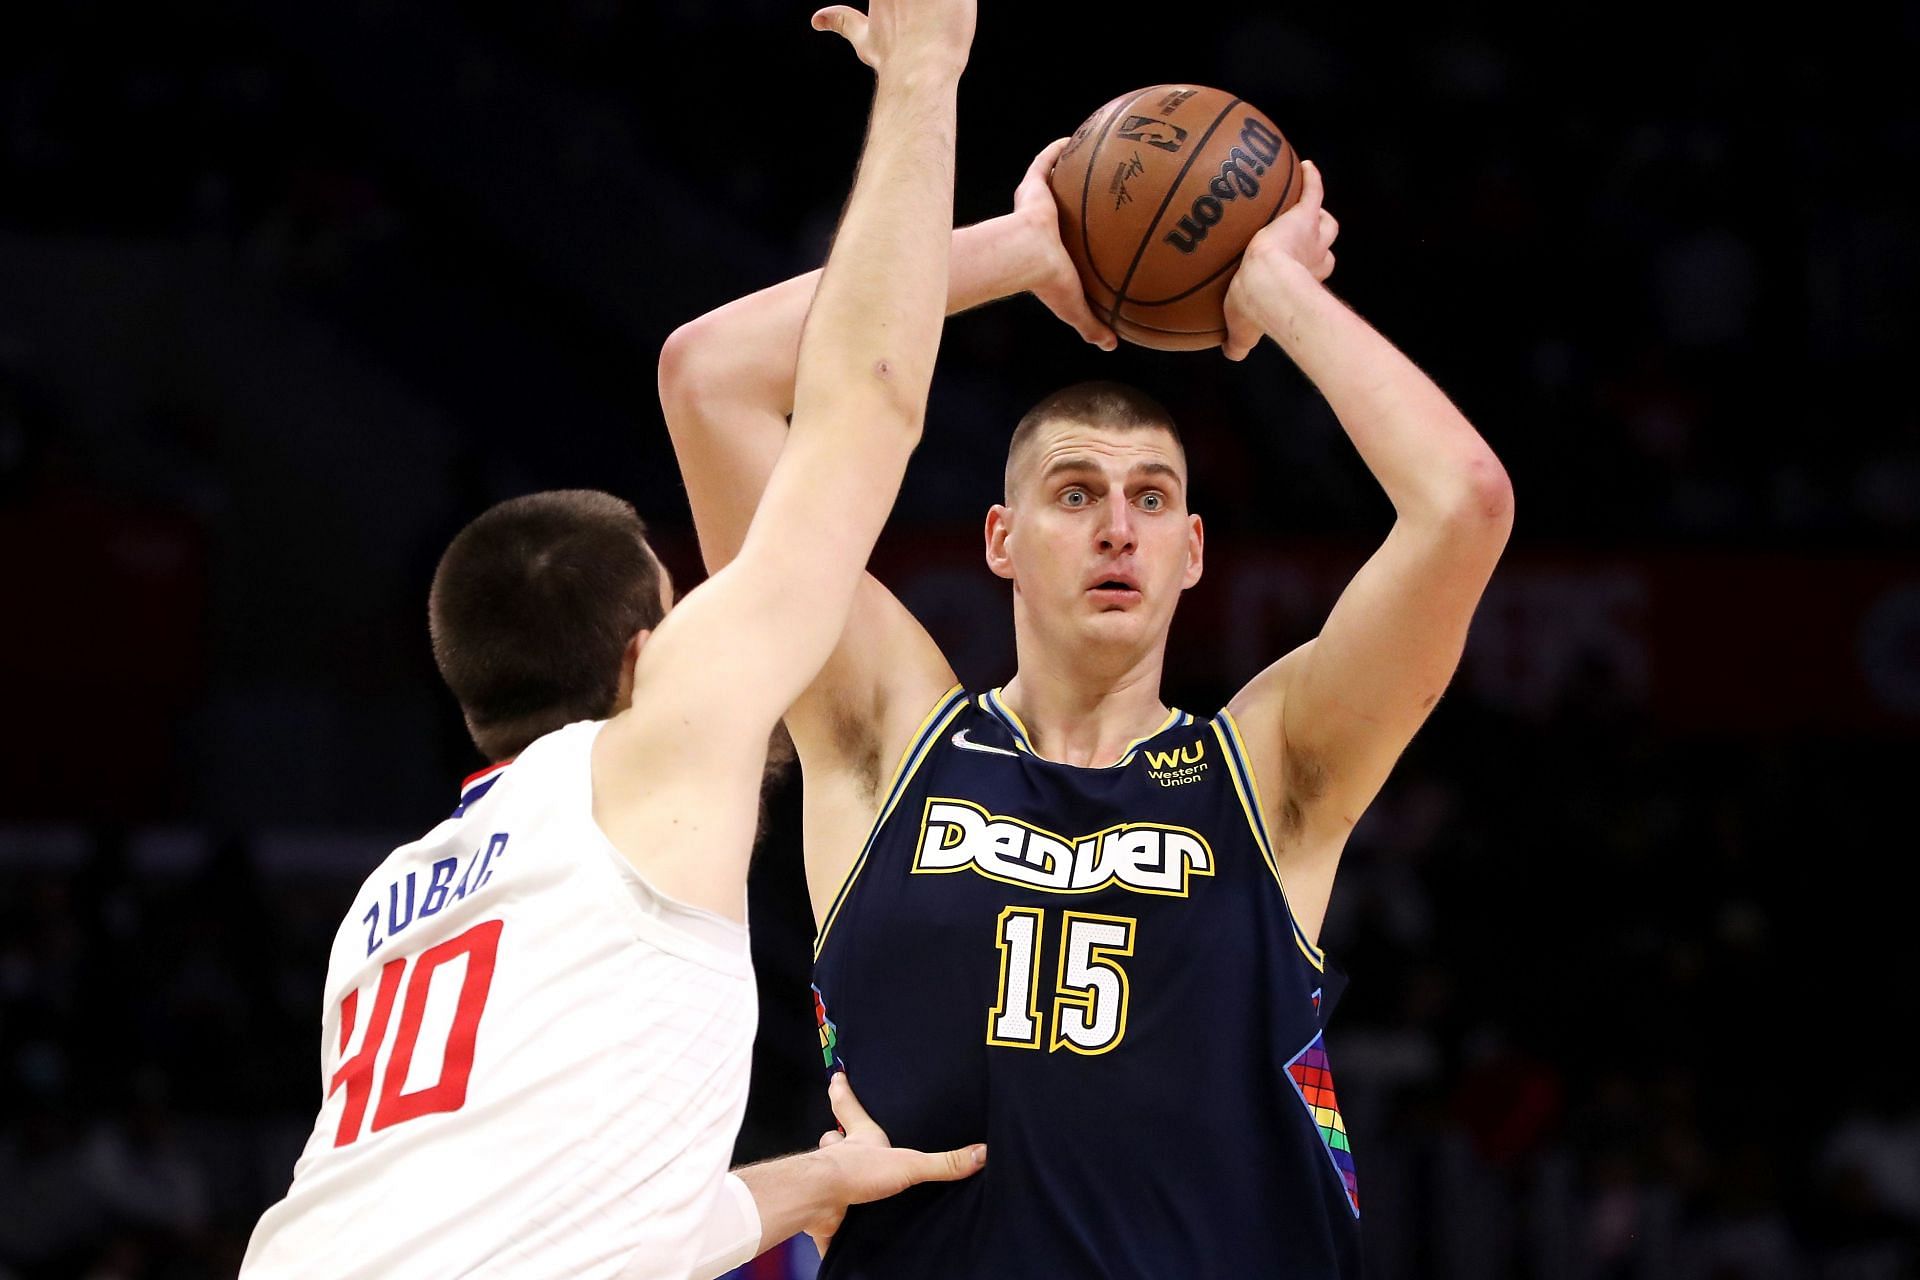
(1076, 498)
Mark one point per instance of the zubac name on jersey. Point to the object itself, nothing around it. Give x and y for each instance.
(1097, 970)
(532, 1063)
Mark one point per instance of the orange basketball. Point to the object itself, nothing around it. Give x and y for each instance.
(1159, 193)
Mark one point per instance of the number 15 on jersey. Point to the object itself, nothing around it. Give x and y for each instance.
(1090, 993)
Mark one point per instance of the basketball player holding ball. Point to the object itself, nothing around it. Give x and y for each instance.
(1062, 913)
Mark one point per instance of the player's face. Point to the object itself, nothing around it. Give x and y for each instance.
(1097, 537)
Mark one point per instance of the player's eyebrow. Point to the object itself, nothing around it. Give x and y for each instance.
(1071, 462)
(1079, 463)
(1157, 469)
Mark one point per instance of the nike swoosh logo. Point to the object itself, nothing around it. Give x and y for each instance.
(965, 743)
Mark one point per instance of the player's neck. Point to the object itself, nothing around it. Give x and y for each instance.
(1074, 716)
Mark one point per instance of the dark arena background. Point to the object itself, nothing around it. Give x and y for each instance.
(290, 292)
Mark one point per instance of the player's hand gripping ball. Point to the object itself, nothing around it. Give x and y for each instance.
(1159, 193)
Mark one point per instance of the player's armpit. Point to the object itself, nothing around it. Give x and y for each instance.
(853, 724)
(677, 774)
(1325, 724)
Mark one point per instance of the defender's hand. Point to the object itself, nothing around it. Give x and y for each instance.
(1053, 279)
(902, 34)
(1301, 237)
(868, 1167)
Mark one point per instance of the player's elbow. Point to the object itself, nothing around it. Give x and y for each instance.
(1483, 496)
(900, 388)
(691, 368)
(887, 403)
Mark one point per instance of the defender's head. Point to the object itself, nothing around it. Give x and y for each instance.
(538, 611)
(1095, 532)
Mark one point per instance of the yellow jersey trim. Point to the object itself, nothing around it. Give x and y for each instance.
(993, 702)
(1174, 716)
(1247, 787)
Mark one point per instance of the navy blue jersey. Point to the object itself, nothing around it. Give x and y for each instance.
(1096, 972)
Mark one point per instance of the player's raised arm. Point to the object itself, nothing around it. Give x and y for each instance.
(712, 681)
(1326, 723)
(727, 379)
(727, 384)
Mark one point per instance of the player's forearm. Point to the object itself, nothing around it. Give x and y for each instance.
(726, 379)
(745, 353)
(782, 1198)
(791, 1194)
(1425, 454)
(868, 345)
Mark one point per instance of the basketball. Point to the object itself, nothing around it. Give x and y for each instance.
(1159, 192)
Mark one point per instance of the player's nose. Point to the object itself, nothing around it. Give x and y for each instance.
(1116, 531)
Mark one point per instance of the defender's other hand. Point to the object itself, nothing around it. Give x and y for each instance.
(1054, 280)
(905, 34)
(1301, 237)
(868, 1167)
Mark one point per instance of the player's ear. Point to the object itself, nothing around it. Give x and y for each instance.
(999, 529)
(1196, 548)
(629, 659)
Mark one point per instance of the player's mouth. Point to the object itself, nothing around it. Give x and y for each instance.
(1115, 591)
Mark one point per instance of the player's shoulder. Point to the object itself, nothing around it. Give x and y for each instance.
(543, 775)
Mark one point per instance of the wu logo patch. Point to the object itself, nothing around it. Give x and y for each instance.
(1180, 766)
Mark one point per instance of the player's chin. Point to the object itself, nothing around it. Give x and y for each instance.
(1117, 621)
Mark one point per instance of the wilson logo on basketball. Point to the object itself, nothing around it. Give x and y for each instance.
(1155, 133)
(1240, 175)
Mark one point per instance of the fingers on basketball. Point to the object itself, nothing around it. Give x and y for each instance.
(1076, 311)
(1043, 163)
(1313, 191)
(1242, 332)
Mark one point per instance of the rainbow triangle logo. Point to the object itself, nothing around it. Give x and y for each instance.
(1313, 1081)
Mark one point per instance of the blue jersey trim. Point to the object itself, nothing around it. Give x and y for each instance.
(1247, 787)
(471, 796)
(992, 703)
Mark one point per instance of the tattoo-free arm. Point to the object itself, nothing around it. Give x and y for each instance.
(1333, 716)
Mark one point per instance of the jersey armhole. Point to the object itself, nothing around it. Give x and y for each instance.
(692, 933)
(1247, 788)
(919, 747)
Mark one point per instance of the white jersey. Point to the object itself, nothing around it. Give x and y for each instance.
(532, 1063)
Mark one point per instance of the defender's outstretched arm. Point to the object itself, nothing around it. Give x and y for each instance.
(712, 681)
(727, 384)
(727, 379)
(1326, 723)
